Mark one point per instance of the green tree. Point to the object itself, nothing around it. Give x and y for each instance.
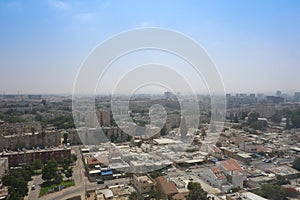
(163, 131)
(37, 164)
(274, 192)
(68, 173)
(135, 196)
(296, 118)
(253, 117)
(259, 125)
(155, 174)
(66, 137)
(196, 192)
(236, 119)
(14, 194)
(155, 194)
(66, 162)
(57, 179)
(276, 118)
(50, 170)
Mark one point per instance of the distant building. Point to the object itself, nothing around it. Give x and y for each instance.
(143, 184)
(103, 116)
(91, 120)
(236, 154)
(169, 95)
(212, 150)
(24, 157)
(34, 97)
(73, 137)
(20, 128)
(297, 95)
(29, 140)
(248, 145)
(265, 109)
(278, 93)
(275, 99)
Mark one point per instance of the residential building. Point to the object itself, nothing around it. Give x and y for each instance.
(215, 176)
(248, 145)
(244, 196)
(103, 116)
(165, 187)
(18, 158)
(143, 184)
(225, 175)
(234, 173)
(265, 109)
(285, 172)
(29, 140)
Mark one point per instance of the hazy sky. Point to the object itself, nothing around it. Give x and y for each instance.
(255, 44)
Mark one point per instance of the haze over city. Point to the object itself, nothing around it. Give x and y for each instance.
(149, 100)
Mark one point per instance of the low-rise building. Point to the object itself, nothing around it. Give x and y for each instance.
(143, 184)
(285, 172)
(225, 175)
(244, 196)
(18, 158)
(215, 177)
(234, 173)
(30, 139)
(165, 187)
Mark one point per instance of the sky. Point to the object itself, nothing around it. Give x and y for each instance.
(255, 44)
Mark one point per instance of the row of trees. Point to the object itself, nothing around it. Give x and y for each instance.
(60, 122)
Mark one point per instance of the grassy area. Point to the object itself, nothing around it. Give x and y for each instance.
(37, 172)
(46, 186)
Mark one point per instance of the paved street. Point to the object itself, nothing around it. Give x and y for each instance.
(34, 194)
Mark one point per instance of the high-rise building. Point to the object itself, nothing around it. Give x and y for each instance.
(103, 116)
(278, 93)
(265, 109)
(297, 95)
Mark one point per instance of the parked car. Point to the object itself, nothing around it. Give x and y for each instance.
(100, 181)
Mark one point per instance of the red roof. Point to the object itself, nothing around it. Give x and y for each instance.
(92, 161)
(167, 187)
(218, 173)
(231, 165)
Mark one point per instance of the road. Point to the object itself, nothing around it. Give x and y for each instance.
(34, 194)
